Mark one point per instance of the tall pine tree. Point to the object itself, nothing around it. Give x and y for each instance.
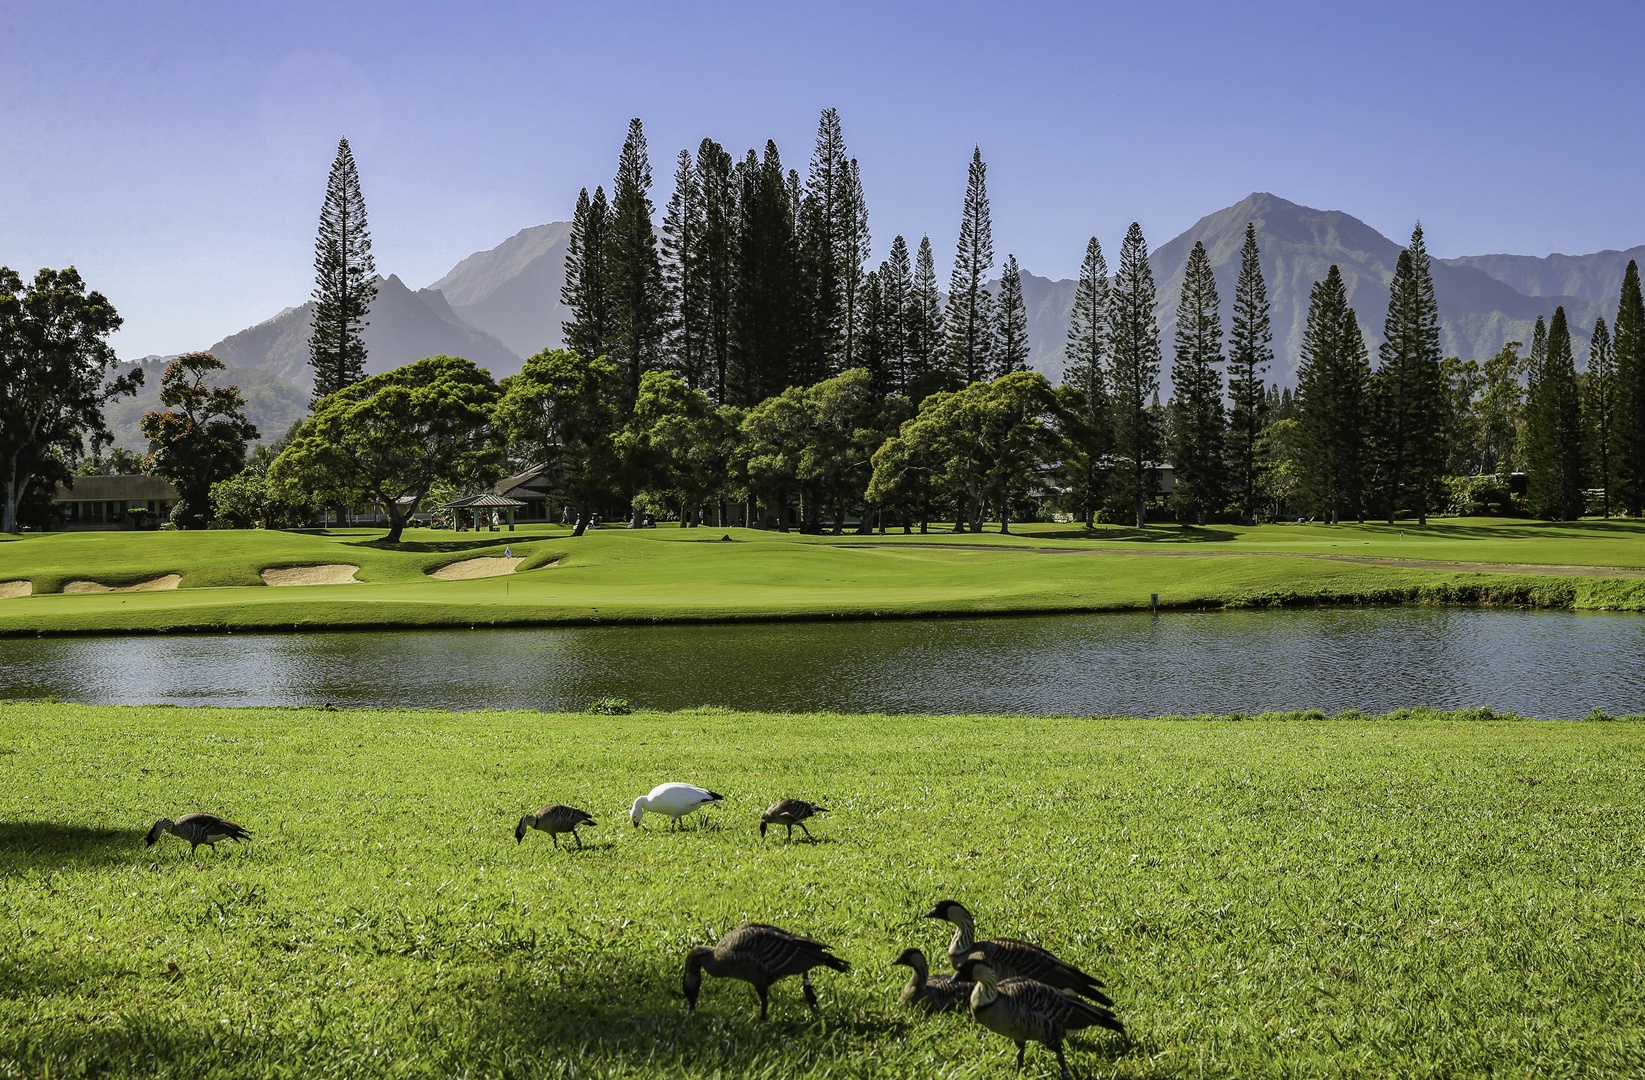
(1083, 355)
(1409, 389)
(897, 287)
(855, 247)
(634, 273)
(1198, 425)
(1599, 410)
(1011, 333)
(766, 307)
(969, 320)
(589, 330)
(345, 280)
(719, 189)
(822, 229)
(1250, 352)
(1553, 426)
(1134, 359)
(927, 372)
(1333, 383)
(682, 247)
(1628, 435)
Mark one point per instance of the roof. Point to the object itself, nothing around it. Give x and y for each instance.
(116, 489)
(531, 483)
(479, 502)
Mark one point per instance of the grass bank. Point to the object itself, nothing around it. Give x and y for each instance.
(1413, 895)
(674, 574)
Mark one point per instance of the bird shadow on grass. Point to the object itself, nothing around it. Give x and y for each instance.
(55, 845)
(133, 1044)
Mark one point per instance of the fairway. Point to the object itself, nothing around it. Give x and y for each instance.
(704, 574)
(1414, 895)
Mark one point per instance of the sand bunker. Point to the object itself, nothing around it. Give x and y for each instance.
(12, 589)
(167, 581)
(328, 574)
(490, 566)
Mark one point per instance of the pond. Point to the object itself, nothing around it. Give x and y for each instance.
(1554, 664)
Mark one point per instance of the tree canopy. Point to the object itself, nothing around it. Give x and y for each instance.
(199, 437)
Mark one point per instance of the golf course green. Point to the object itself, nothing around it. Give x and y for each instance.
(214, 580)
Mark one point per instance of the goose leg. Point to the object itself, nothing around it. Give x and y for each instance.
(807, 833)
(810, 994)
(765, 1002)
(1022, 1046)
(577, 838)
(1066, 1075)
(554, 836)
(791, 834)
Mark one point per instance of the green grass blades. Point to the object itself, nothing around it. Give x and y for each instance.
(672, 574)
(1421, 895)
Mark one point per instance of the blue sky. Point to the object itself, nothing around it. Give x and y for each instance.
(177, 152)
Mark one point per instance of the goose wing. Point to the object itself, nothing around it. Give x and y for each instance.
(789, 811)
(214, 828)
(777, 952)
(1011, 957)
(1058, 1007)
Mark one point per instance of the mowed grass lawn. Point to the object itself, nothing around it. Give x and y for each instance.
(1419, 895)
(671, 573)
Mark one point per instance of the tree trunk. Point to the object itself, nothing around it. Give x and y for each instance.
(1142, 513)
(15, 488)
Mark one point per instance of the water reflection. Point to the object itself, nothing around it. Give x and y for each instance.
(1540, 663)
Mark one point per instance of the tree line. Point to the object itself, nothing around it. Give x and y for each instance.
(746, 354)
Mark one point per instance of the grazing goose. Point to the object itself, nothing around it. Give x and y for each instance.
(759, 955)
(791, 812)
(554, 819)
(675, 800)
(1012, 958)
(197, 829)
(1023, 1010)
(945, 993)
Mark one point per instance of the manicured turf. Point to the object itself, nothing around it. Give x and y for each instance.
(1419, 895)
(682, 574)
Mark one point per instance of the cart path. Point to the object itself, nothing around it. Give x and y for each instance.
(1534, 569)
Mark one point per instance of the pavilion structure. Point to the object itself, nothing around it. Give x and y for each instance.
(483, 504)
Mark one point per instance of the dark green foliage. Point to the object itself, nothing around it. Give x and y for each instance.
(55, 368)
(634, 275)
(1084, 387)
(199, 436)
(1198, 427)
(896, 282)
(1011, 333)
(1499, 406)
(1250, 351)
(1333, 382)
(927, 371)
(1133, 384)
(969, 321)
(674, 447)
(561, 412)
(833, 244)
(1553, 426)
(345, 280)
(682, 249)
(1599, 411)
(1408, 391)
(766, 308)
(1628, 434)
(389, 438)
(589, 330)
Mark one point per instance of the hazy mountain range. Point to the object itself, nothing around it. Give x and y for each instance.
(497, 306)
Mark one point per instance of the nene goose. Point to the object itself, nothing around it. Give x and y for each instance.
(554, 819)
(944, 993)
(759, 955)
(197, 829)
(1011, 958)
(1023, 1009)
(675, 800)
(791, 812)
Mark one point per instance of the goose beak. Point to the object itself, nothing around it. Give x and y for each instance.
(934, 913)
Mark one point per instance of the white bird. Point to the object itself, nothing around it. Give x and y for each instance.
(675, 800)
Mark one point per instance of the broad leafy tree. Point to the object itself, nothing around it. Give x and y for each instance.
(56, 375)
(561, 413)
(345, 280)
(1133, 385)
(1553, 428)
(1198, 425)
(1498, 410)
(389, 438)
(199, 436)
(1250, 352)
(674, 447)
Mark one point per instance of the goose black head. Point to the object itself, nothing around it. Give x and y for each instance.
(158, 831)
(692, 981)
(969, 967)
(945, 909)
(910, 958)
(520, 830)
